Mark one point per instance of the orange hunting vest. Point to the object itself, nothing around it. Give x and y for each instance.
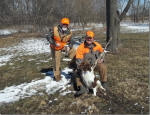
(60, 41)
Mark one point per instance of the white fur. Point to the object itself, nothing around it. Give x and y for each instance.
(88, 78)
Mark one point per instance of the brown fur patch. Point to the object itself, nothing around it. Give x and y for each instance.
(85, 66)
(73, 64)
(94, 83)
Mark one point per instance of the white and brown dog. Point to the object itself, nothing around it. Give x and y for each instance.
(89, 79)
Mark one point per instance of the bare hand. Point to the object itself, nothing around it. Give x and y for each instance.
(100, 61)
(57, 44)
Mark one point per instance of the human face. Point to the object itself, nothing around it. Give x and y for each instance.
(64, 27)
(89, 40)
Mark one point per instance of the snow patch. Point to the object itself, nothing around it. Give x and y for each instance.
(7, 31)
(65, 93)
(11, 31)
(55, 99)
(15, 93)
(136, 104)
(67, 70)
(125, 27)
(30, 46)
(66, 59)
(4, 59)
(50, 101)
(134, 27)
(79, 29)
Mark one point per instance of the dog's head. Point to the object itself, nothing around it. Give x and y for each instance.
(85, 66)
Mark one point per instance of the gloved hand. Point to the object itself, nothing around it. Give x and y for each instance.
(48, 37)
(78, 88)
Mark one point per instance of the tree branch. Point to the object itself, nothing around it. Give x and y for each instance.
(123, 14)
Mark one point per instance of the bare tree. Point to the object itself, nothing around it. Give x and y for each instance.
(137, 11)
(121, 4)
(41, 13)
(143, 11)
(113, 22)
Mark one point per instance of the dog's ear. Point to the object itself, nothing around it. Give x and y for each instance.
(82, 65)
(88, 67)
(72, 64)
(85, 66)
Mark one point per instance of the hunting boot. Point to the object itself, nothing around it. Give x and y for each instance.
(81, 91)
(104, 84)
(90, 91)
(57, 77)
(103, 74)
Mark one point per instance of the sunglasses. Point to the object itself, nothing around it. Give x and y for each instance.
(88, 38)
(65, 25)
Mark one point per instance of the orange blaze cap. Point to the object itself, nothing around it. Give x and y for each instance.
(90, 34)
(65, 21)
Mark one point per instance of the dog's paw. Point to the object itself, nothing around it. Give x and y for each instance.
(94, 94)
(104, 89)
(101, 92)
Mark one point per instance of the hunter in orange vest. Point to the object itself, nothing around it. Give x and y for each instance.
(61, 36)
(89, 51)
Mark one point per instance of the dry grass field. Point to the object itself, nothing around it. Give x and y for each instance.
(128, 80)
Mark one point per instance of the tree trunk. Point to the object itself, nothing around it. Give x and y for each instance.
(137, 11)
(113, 23)
(143, 12)
(108, 20)
(123, 14)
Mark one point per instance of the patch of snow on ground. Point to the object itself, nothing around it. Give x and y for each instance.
(44, 61)
(97, 25)
(11, 31)
(126, 27)
(77, 29)
(30, 46)
(7, 31)
(14, 93)
(67, 70)
(66, 59)
(66, 92)
(4, 59)
(134, 27)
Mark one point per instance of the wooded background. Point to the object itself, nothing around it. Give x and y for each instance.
(49, 12)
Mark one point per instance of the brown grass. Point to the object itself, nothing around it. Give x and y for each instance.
(128, 78)
(16, 38)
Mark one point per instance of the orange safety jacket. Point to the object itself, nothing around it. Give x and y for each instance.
(60, 40)
(88, 53)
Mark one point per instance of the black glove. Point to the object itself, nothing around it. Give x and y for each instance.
(48, 37)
